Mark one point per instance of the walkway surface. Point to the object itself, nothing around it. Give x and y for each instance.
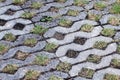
(59, 40)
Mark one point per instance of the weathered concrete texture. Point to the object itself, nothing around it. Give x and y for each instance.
(67, 45)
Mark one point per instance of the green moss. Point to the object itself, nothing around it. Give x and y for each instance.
(46, 19)
(30, 42)
(94, 58)
(36, 5)
(80, 2)
(118, 48)
(41, 60)
(28, 15)
(32, 75)
(114, 21)
(87, 28)
(115, 63)
(19, 1)
(115, 8)
(50, 46)
(99, 5)
(3, 49)
(9, 37)
(93, 16)
(87, 73)
(72, 12)
(108, 32)
(39, 30)
(111, 77)
(55, 78)
(10, 68)
(63, 66)
(65, 23)
(100, 44)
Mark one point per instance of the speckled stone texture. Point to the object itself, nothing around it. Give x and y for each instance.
(75, 41)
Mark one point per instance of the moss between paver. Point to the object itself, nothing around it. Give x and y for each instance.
(41, 60)
(63, 66)
(19, 1)
(109, 32)
(9, 37)
(36, 5)
(111, 77)
(87, 73)
(50, 46)
(72, 12)
(30, 42)
(100, 5)
(3, 49)
(100, 45)
(80, 2)
(10, 68)
(115, 9)
(94, 58)
(55, 78)
(87, 28)
(115, 63)
(32, 75)
(65, 23)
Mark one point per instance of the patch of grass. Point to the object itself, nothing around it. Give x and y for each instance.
(115, 8)
(115, 63)
(94, 58)
(28, 15)
(80, 2)
(36, 5)
(100, 5)
(87, 73)
(30, 42)
(21, 55)
(100, 45)
(39, 30)
(65, 22)
(10, 68)
(3, 49)
(63, 66)
(32, 75)
(46, 19)
(54, 78)
(111, 77)
(108, 32)
(93, 16)
(9, 37)
(87, 28)
(114, 21)
(19, 1)
(41, 60)
(72, 12)
(62, 1)
(50, 46)
(118, 48)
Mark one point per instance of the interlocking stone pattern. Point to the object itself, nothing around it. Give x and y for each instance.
(69, 49)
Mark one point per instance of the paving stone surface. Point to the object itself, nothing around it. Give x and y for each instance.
(59, 40)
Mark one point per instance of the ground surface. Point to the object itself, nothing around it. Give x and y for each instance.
(77, 55)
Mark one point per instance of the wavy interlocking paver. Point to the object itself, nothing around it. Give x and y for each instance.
(83, 55)
(67, 60)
